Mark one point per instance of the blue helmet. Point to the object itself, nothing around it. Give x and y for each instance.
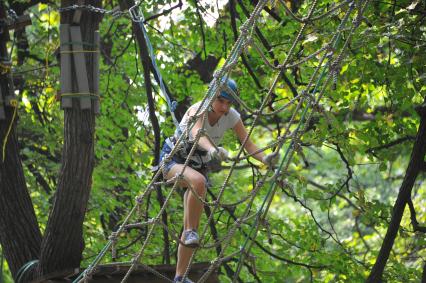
(232, 85)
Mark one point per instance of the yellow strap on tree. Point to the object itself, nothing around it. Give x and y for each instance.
(78, 51)
(80, 94)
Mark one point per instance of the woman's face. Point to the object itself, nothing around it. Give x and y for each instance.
(221, 105)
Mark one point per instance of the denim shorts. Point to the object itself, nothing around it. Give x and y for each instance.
(179, 159)
(166, 150)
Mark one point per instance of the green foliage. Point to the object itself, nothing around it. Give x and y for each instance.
(343, 182)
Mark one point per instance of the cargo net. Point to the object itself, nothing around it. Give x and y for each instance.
(247, 215)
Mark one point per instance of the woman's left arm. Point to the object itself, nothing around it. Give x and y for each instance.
(241, 132)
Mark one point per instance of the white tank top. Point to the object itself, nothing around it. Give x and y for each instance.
(216, 131)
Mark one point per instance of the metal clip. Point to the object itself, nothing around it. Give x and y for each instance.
(12, 14)
(135, 13)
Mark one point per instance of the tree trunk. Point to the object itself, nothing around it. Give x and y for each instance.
(20, 236)
(414, 167)
(63, 243)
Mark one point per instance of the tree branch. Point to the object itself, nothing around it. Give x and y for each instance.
(234, 30)
(201, 23)
(414, 222)
(391, 144)
(20, 236)
(274, 15)
(404, 195)
(20, 6)
(268, 47)
(164, 12)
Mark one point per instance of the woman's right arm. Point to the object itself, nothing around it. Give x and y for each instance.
(204, 142)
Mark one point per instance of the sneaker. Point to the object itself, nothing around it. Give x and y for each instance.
(178, 279)
(191, 239)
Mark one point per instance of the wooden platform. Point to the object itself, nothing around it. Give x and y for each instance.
(113, 274)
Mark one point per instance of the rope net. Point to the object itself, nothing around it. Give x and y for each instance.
(248, 214)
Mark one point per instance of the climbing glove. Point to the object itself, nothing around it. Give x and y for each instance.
(271, 159)
(220, 154)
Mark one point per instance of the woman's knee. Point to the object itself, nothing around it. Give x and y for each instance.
(199, 184)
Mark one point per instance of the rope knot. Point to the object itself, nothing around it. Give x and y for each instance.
(244, 28)
(179, 176)
(335, 70)
(139, 199)
(297, 147)
(305, 19)
(88, 274)
(284, 183)
(167, 158)
(202, 132)
(357, 21)
(216, 74)
(311, 98)
(249, 41)
(113, 237)
(330, 54)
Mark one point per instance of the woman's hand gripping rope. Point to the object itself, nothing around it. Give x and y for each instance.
(219, 154)
(271, 159)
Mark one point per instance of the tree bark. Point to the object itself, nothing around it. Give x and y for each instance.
(414, 167)
(20, 236)
(63, 243)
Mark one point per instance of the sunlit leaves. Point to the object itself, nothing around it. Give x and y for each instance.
(342, 184)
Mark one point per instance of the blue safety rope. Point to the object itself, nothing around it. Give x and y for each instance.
(137, 16)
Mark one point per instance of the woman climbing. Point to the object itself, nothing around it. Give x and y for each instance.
(220, 117)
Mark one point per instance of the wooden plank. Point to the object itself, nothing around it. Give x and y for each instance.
(58, 276)
(77, 13)
(96, 73)
(80, 67)
(115, 274)
(66, 68)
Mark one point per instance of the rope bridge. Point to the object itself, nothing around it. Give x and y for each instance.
(303, 106)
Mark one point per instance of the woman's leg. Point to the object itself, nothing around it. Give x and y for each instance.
(193, 209)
